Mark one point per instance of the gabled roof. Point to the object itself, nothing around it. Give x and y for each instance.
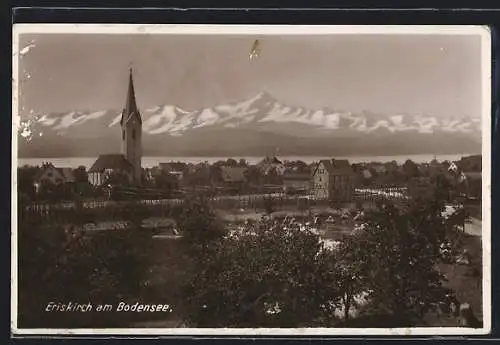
(335, 166)
(130, 103)
(233, 174)
(111, 161)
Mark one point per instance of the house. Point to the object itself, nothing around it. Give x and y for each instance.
(333, 179)
(296, 182)
(108, 164)
(49, 174)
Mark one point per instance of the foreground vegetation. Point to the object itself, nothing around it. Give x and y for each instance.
(389, 272)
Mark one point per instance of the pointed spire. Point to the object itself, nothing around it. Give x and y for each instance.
(130, 104)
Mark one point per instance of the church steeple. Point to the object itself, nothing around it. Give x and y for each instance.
(130, 108)
(131, 126)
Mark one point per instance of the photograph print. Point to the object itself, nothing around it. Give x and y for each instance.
(251, 180)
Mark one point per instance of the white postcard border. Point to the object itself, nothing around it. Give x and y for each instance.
(264, 30)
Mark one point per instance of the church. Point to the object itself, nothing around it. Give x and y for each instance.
(128, 162)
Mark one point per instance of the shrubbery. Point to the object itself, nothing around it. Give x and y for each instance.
(63, 264)
(269, 275)
(281, 277)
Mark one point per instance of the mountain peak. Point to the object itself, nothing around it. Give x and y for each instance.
(262, 96)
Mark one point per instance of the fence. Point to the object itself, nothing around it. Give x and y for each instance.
(101, 209)
(106, 209)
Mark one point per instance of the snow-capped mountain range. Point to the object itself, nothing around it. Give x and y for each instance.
(251, 127)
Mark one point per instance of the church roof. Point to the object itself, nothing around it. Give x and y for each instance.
(110, 161)
(130, 104)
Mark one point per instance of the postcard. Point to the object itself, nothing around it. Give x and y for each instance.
(251, 180)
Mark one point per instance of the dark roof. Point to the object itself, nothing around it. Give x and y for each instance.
(111, 161)
(233, 174)
(130, 104)
(336, 166)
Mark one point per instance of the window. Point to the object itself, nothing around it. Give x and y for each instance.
(133, 134)
(123, 135)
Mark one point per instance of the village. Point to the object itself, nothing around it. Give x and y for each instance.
(327, 198)
(332, 180)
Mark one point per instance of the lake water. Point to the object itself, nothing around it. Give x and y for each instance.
(148, 162)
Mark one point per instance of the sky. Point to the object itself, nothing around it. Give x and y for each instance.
(434, 75)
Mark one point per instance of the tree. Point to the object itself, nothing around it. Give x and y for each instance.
(199, 224)
(350, 280)
(268, 277)
(81, 186)
(403, 247)
(216, 173)
(25, 181)
(269, 205)
(165, 182)
(231, 162)
(253, 176)
(80, 174)
(410, 169)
